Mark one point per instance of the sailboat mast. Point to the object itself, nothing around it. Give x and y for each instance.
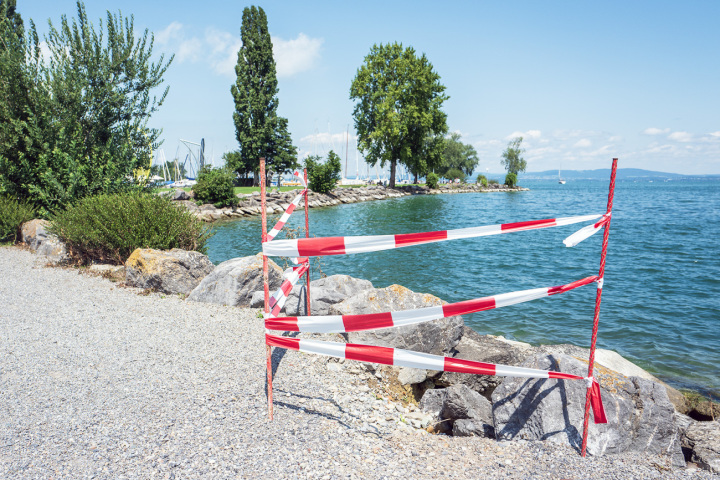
(347, 141)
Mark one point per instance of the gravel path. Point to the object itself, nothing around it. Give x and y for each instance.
(98, 381)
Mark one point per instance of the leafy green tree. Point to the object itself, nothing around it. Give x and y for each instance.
(258, 129)
(398, 114)
(457, 155)
(511, 179)
(78, 124)
(482, 180)
(512, 158)
(323, 177)
(9, 11)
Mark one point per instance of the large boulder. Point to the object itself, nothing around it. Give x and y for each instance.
(168, 271)
(617, 363)
(438, 337)
(702, 440)
(640, 415)
(35, 235)
(324, 293)
(460, 410)
(486, 349)
(234, 281)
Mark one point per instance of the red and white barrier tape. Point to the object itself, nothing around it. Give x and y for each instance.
(586, 232)
(372, 243)
(285, 216)
(293, 274)
(407, 358)
(371, 321)
(300, 177)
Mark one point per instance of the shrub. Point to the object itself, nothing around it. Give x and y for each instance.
(323, 177)
(13, 214)
(215, 185)
(432, 180)
(454, 173)
(108, 228)
(482, 180)
(492, 181)
(511, 179)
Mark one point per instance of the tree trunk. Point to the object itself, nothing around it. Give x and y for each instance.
(393, 166)
(415, 181)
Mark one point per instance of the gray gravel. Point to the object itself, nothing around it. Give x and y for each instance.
(98, 381)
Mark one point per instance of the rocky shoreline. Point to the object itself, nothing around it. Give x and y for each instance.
(277, 202)
(646, 416)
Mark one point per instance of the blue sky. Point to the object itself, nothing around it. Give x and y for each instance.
(581, 81)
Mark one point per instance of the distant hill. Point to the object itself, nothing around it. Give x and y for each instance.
(604, 174)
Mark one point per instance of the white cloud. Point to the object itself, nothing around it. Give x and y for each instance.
(715, 134)
(525, 135)
(582, 143)
(656, 131)
(681, 137)
(297, 55)
(219, 49)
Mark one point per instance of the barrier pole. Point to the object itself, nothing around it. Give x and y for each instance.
(266, 286)
(307, 235)
(598, 298)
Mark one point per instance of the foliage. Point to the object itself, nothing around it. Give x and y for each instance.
(258, 129)
(13, 214)
(75, 125)
(492, 181)
(457, 155)
(432, 180)
(398, 114)
(323, 177)
(512, 158)
(234, 162)
(454, 173)
(511, 179)
(215, 185)
(482, 180)
(108, 228)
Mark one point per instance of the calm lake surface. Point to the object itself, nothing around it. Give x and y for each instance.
(661, 298)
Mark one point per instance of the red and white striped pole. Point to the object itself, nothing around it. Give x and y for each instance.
(307, 235)
(266, 285)
(598, 298)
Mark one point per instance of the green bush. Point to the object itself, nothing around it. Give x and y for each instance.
(13, 214)
(432, 180)
(511, 179)
(323, 177)
(492, 181)
(482, 180)
(108, 228)
(454, 173)
(215, 185)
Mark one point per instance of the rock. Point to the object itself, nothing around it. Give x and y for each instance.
(179, 194)
(234, 281)
(616, 362)
(324, 292)
(169, 271)
(460, 410)
(257, 300)
(437, 337)
(640, 415)
(487, 349)
(702, 439)
(35, 235)
(409, 376)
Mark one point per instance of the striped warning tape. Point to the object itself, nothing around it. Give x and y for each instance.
(285, 216)
(371, 321)
(407, 358)
(372, 243)
(292, 275)
(586, 232)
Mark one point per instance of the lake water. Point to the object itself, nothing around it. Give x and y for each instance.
(661, 298)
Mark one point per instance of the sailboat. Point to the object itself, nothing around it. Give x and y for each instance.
(560, 179)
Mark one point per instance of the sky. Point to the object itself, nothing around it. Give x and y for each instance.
(582, 82)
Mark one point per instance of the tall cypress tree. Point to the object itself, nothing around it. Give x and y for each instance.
(259, 131)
